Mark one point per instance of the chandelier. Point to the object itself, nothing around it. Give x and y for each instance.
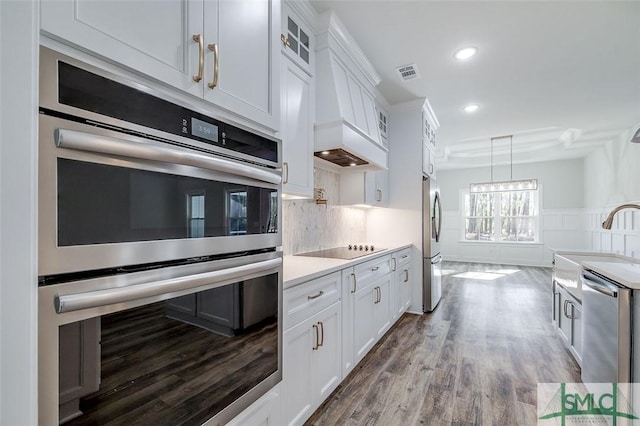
(506, 185)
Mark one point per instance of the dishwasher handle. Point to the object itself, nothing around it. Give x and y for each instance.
(599, 284)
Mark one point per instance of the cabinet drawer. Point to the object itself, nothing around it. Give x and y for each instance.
(368, 272)
(307, 299)
(404, 257)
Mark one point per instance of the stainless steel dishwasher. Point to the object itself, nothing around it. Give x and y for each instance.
(606, 331)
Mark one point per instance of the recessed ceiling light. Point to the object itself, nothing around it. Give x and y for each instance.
(466, 53)
(471, 108)
(325, 153)
(352, 164)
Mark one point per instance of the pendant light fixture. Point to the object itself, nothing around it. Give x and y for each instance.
(507, 185)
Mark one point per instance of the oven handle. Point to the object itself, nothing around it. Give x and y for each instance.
(167, 154)
(93, 299)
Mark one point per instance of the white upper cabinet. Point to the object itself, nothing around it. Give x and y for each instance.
(429, 126)
(365, 188)
(217, 50)
(297, 130)
(298, 39)
(244, 71)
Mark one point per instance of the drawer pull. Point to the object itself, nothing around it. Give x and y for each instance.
(320, 293)
(375, 269)
(405, 256)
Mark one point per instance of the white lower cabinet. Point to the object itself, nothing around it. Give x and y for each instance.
(382, 306)
(568, 319)
(369, 305)
(264, 412)
(331, 323)
(312, 350)
(363, 327)
(401, 284)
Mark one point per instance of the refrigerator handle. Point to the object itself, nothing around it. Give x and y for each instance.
(437, 227)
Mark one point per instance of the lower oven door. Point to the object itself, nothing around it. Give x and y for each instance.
(107, 199)
(183, 345)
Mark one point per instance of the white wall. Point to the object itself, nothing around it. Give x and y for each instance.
(612, 173)
(561, 218)
(19, 31)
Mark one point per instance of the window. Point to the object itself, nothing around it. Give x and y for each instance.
(195, 207)
(237, 212)
(510, 216)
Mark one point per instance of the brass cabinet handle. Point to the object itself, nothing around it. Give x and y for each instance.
(406, 275)
(285, 172)
(353, 290)
(216, 63)
(321, 333)
(320, 293)
(198, 39)
(315, 344)
(285, 40)
(395, 263)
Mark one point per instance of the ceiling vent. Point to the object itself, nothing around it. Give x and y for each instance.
(408, 72)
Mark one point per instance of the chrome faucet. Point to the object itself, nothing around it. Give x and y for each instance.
(609, 220)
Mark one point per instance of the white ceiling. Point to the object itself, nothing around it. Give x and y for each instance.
(562, 76)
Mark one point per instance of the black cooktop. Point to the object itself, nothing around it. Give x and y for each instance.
(350, 252)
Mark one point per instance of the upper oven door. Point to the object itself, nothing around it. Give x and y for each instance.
(109, 199)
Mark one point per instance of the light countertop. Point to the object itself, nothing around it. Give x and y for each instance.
(627, 273)
(622, 269)
(299, 269)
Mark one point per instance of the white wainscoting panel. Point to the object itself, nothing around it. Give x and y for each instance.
(559, 229)
(624, 236)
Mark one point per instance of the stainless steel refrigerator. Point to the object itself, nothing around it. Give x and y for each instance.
(431, 230)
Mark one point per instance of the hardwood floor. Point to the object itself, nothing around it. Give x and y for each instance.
(476, 360)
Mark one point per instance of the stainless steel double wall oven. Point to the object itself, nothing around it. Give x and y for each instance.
(160, 273)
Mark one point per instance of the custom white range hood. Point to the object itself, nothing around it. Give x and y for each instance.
(346, 130)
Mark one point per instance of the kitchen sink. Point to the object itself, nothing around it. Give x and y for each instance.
(567, 268)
